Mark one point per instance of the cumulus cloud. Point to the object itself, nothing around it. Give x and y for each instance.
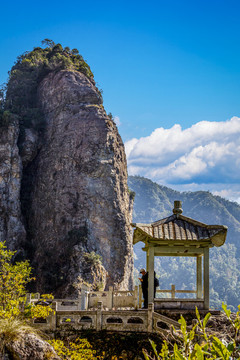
(117, 121)
(205, 153)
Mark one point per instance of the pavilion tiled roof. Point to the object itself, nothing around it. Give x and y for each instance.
(180, 228)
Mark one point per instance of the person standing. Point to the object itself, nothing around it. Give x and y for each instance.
(144, 283)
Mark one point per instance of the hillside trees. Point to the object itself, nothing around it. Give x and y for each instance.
(154, 202)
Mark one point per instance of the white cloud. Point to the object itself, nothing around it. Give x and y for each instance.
(205, 153)
(117, 121)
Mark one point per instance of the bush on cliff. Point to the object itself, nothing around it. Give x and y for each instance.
(20, 95)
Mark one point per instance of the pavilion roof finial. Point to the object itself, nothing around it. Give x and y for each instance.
(177, 207)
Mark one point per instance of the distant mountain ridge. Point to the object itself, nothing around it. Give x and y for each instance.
(154, 202)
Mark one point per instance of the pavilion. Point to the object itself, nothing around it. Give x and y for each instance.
(178, 235)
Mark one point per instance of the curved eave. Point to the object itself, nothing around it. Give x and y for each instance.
(220, 238)
(140, 235)
(216, 240)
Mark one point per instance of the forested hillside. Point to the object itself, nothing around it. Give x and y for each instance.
(154, 202)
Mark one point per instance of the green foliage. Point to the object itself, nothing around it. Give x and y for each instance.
(110, 115)
(132, 194)
(20, 96)
(6, 118)
(197, 344)
(153, 202)
(2, 96)
(48, 43)
(93, 257)
(13, 312)
(79, 350)
(13, 280)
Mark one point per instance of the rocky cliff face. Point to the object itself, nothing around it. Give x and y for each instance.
(74, 195)
(11, 226)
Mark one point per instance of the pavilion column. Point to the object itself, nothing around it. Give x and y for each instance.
(147, 260)
(151, 274)
(199, 276)
(206, 278)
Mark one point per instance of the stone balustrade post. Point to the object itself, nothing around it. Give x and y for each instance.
(150, 317)
(84, 297)
(99, 315)
(28, 298)
(173, 291)
(140, 296)
(53, 317)
(79, 301)
(110, 300)
(135, 294)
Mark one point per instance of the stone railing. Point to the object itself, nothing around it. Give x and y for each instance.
(103, 310)
(173, 291)
(110, 320)
(111, 299)
(98, 319)
(114, 299)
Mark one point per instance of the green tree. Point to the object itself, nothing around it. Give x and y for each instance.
(48, 43)
(13, 281)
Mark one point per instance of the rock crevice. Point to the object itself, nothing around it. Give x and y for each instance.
(74, 194)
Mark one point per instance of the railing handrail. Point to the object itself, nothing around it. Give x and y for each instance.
(111, 298)
(177, 291)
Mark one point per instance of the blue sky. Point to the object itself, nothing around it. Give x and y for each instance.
(159, 63)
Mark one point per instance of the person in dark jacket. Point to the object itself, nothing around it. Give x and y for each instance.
(144, 283)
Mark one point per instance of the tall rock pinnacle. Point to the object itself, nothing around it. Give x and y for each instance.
(74, 196)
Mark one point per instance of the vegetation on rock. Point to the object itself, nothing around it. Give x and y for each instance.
(19, 96)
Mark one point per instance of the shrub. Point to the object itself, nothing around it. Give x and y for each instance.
(197, 344)
(78, 350)
(20, 95)
(13, 281)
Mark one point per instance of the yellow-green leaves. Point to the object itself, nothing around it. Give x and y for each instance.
(13, 281)
(81, 349)
(226, 310)
(198, 344)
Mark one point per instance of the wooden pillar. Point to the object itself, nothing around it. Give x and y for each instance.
(199, 276)
(206, 278)
(147, 260)
(151, 275)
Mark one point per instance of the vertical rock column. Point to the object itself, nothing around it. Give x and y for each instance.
(79, 201)
(11, 227)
